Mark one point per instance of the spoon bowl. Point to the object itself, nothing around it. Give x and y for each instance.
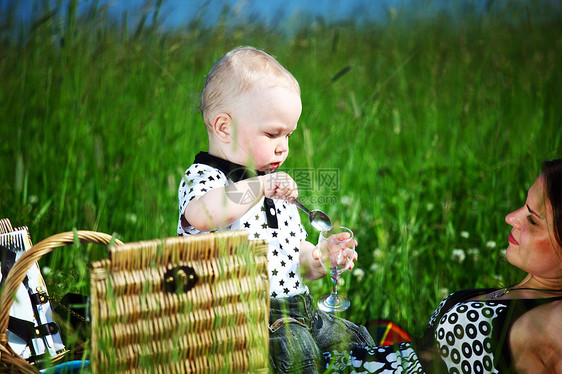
(318, 219)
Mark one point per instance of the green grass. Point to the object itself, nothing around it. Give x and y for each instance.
(437, 128)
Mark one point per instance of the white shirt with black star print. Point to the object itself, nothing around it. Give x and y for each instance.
(284, 242)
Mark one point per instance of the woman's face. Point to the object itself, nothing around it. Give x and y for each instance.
(532, 244)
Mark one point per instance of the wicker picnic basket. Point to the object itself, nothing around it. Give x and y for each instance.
(177, 305)
(181, 305)
(9, 360)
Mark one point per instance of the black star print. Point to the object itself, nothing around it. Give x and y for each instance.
(274, 272)
(203, 190)
(297, 285)
(292, 275)
(287, 240)
(264, 225)
(286, 223)
(274, 234)
(262, 209)
(202, 182)
(247, 225)
(281, 282)
(184, 193)
(296, 249)
(292, 234)
(200, 172)
(275, 253)
(274, 294)
(290, 257)
(257, 217)
(256, 235)
(211, 178)
(283, 263)
(279, 210)
(191, 190)
(183, 184)
(285, 290)
(188, 173)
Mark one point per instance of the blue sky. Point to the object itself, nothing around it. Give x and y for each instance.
(174, 13)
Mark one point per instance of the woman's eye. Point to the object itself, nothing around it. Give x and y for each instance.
(531, 220)
(270, 135)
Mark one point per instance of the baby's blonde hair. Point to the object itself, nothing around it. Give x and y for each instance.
(237, 72)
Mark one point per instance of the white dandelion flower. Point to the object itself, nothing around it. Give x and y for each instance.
(465, 234)
(458, 255)
(374, 267)
(359, 274)
(491, 244)
(346, 200)
(378, 254)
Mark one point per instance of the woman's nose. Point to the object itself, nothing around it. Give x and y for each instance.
(512, 218)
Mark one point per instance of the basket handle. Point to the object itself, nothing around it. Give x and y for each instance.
(20, 268)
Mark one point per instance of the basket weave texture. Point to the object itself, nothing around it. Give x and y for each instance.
(181, 305)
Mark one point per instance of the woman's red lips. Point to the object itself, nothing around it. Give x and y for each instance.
(512, 240)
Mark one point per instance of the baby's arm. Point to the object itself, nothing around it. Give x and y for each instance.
(310, 266)
(219, 207)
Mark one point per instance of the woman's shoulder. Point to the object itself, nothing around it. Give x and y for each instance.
(544, 317)
(535, 339)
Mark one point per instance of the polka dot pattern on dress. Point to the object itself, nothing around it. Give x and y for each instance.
(464, 336)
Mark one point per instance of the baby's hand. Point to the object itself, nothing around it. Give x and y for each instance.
(279, 185)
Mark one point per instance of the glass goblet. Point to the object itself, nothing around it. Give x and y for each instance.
(337, 249)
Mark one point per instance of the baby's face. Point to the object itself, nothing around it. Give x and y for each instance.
(263, 120)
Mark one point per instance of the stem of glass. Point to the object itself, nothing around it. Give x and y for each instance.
(334, 295)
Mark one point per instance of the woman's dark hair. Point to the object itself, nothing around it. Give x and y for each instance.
(552, 173)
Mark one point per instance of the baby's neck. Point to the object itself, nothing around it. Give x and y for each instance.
(215, 150)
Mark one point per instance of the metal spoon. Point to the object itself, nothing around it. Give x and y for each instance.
(318, 219)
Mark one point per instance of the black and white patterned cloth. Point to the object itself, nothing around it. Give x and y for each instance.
(463, 336)
(387, 360)
(284, 241)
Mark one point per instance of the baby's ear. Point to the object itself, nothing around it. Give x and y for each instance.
(222, 127)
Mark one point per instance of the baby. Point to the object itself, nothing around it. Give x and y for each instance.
(251, 105)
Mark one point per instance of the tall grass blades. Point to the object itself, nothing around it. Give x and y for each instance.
(436, 127)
